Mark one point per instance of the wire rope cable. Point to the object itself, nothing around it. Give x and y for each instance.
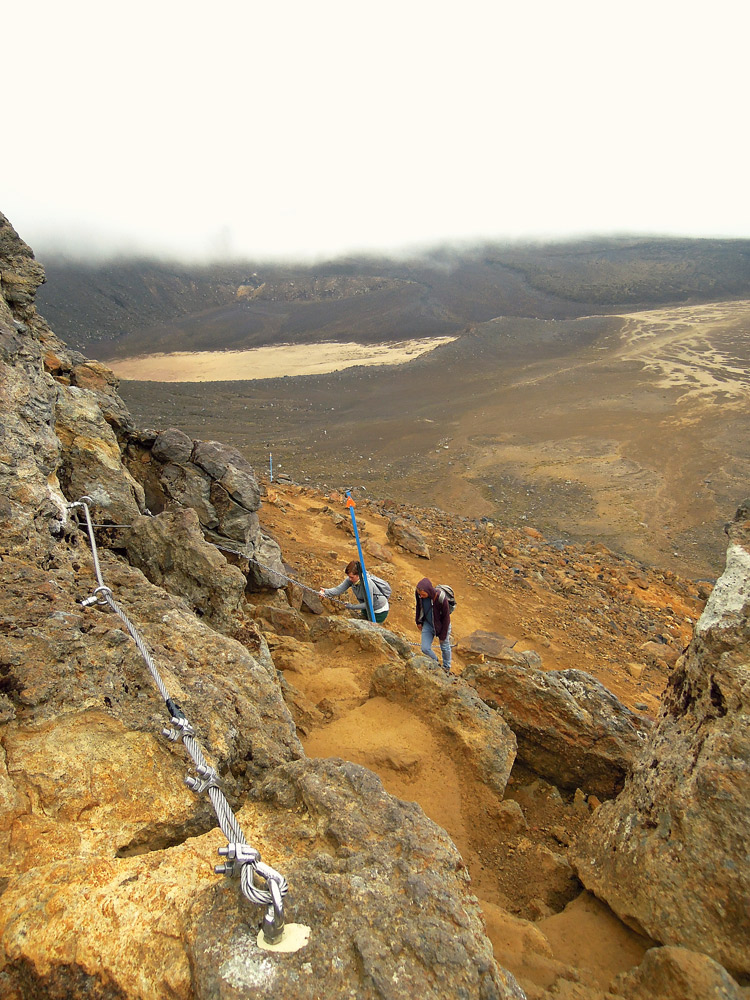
(240, 857)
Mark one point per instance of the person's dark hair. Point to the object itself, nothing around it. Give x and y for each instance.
(353, 567)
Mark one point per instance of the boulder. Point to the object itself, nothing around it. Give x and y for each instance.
(383, 891)
(266, 566)
(361, 633)
(171, 551)
(188, 486)
(480, 645)
(282, 621)
(671, 973)
(380, 552)
(91, 462)
(671, 855)
(219, 484)
(312, 603)
(659, 653)
(172, 446)
(227, 466)
(570, 729)
(401, 532)
(234, 521)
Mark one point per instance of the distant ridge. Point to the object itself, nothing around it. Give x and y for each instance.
(135, 306)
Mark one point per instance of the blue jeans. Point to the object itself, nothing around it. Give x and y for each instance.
(428, 634)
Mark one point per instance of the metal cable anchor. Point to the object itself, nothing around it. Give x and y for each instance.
(79, 503)
(273, 919)
(97, 597)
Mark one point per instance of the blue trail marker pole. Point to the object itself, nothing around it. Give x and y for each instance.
(270, 465)
(351, 505)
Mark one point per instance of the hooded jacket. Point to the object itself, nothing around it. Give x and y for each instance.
(441, 612)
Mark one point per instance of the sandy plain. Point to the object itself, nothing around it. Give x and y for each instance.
(269, 362)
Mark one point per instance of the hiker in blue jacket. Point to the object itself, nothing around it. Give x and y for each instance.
(434, 619)
(353, 579)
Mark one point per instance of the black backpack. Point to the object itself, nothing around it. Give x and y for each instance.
(446, 594)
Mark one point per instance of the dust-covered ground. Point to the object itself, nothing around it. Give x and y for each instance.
(633, 430)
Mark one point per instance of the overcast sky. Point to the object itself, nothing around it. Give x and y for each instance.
(295, 128)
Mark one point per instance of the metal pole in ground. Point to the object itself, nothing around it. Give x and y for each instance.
(351, 505)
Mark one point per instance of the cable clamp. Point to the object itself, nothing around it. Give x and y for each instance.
(239, 855)
(208, 778)
(181, 730)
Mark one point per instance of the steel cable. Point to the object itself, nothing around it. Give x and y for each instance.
(237, 852)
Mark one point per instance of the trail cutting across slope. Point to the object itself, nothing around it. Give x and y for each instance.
(541, 926)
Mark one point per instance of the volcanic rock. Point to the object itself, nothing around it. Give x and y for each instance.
(672, 853)
(283, 621)
(380, 552)
(480, 645)
(570, 729)
(106, 860)
(408, 536)
(373, 919)
(218, 483)
(671, 973)
(171, 551)
(172, 445)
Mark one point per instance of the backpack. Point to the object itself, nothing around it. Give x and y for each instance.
(382, 586)
(446, 594)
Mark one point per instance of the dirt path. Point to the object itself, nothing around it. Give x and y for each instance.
(543, 927)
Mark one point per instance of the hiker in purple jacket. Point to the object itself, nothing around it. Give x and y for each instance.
(434, 619)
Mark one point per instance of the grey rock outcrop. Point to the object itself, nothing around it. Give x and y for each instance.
(220, 486)
(672, 853)
(570, 729)
(171, 551)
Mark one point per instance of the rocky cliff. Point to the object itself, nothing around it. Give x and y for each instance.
(107, 887)
(670, 854)
(107, 879)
